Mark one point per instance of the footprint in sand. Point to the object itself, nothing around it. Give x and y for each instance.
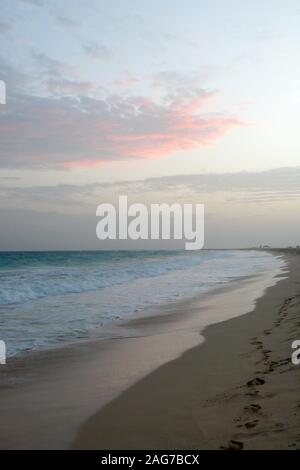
(267, 332)
(253, 408)
(255, 381)
(256, 342)
(248, 411)
(233, 445)
(251, 384)
(251, 424)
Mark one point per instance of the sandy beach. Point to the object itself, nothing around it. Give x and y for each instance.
(157, 383)
(239, 390)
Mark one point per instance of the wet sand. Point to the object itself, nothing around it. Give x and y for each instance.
(150, 392)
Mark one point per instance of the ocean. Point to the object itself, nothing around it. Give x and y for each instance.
(49, 299)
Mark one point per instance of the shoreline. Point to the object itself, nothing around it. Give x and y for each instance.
(97, 372)
(237, 390)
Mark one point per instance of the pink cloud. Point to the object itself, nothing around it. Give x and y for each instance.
(72, 133)
(65, 87)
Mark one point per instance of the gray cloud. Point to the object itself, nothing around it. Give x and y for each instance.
(63, 216)
(5, 27)
(66, 22)
(269, 186)
(278, 180)
(98, 52)
(51, 66)
(174, 79)
(61, 86)
(36, 3)
(10, 178)
(16, 81)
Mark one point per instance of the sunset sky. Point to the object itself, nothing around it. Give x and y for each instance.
(103, 95)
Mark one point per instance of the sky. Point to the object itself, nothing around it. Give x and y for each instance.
(104, 97)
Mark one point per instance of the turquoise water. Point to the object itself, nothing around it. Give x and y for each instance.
(51, 298)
